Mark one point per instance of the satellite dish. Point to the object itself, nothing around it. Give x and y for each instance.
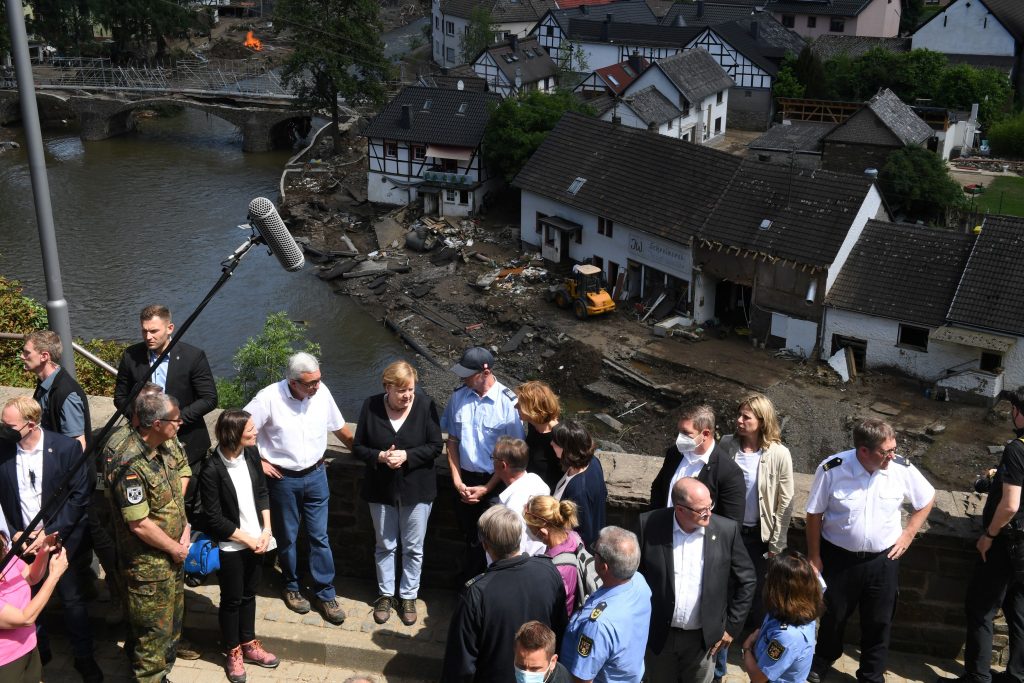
(460, 85)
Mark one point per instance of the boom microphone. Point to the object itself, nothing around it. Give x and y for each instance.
(272, 229)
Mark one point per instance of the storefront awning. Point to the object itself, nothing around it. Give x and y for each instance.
(974, 338)
(446, 152)
(560, 224)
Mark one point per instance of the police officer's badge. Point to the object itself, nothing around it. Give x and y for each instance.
(775, 650)
(585, 646)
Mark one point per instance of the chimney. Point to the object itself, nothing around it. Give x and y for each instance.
(584, 9)
(653, 127)
(616, 120)
(444, 71)
(679, 22)
(700, 8)
(753, 30)
(608, 17)
(636, 63)
(405, 119)
(604, 28)
(513, 42)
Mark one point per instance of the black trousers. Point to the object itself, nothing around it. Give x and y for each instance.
(992, 586)
(239, 576)
(467, 516)
(869, 581)
(756, 548)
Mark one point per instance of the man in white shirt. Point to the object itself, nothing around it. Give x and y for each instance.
(510, 458)
(702, 583)
(293, 417)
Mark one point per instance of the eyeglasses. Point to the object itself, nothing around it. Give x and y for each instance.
(311, 384)
(888, 453)
(176, 420)
(697, 511)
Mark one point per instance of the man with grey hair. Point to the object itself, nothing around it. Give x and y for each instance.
(293, 417)
(606, 638)
(514, 589)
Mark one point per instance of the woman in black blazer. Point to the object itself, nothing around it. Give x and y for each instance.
(398, 437)
(237, 509)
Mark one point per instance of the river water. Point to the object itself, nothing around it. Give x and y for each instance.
(148, 217)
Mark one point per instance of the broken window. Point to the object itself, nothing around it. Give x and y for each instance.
(604, 226)
(913, 337)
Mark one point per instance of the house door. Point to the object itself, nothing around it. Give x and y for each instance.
(858, 346)
(430, 203)
(732, 304)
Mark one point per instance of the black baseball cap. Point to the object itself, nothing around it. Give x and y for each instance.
(474, 360)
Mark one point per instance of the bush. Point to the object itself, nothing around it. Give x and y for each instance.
(1006, 138)
(262, 359)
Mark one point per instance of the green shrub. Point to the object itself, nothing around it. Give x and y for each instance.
(1006, 138)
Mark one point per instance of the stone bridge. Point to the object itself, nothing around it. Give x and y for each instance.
(265, 123)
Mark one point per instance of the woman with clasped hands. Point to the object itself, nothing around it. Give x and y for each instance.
(237, 509)
(19, 656)
(398, 436)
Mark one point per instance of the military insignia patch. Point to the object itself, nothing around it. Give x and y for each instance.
(597, 611)
(585, 646)
(775, 650)
(133, 494)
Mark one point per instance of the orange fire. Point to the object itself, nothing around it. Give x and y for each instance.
(252, 42)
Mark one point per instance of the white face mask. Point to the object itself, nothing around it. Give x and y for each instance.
(685, 443)
(530, 676)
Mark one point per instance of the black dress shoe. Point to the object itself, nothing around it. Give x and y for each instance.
(814, 677)
(88, 669)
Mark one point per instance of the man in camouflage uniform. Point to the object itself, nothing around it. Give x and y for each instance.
(144, 476)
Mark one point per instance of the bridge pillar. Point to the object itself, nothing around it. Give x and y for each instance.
(100, 120)
(256, 134)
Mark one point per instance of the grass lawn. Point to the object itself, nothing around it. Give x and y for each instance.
(1004, 195)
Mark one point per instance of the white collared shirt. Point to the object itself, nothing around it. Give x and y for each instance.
(248, 517)
(689, 466)
(293, 433)
(688, 574)
(860, 510)
(30, 479)
(515, 496)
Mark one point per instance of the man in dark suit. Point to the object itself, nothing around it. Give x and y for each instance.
(702, 583)
(30, 471)
(185, 375)
(696, 454)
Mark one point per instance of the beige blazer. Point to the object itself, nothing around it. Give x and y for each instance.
(774, 491)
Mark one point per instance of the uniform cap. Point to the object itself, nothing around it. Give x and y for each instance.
(474, 360)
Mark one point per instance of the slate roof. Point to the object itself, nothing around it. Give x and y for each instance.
(829, 46)
(440, 124)
(651, 106)
(617, 32)
(798, 136)
(663, 186)
(572, 4)
(695, 73)
(451, 80)
(836, 8)
(626, 11)
(810, 212)
(502, 11)
(988, 295)
(532, 60)
(706, 14)
(902, 272)
(767, 50)
(898, 118)
(600, 103)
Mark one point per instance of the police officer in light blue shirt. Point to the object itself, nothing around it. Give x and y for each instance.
(478, 413)
(607, 637)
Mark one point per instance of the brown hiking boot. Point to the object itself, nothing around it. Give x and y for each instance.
(331, 611)
(233, 667)
(186, 650)
(296, 602)
(382, 608)
(407, 611)
(253, 653)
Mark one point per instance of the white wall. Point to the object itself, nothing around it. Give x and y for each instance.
(965, 27)
(870, 208)
(600, 55)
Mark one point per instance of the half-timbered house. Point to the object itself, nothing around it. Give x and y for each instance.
(553, 27)
(516, 66)
(451, 19)
(426, 143)
(614, 79)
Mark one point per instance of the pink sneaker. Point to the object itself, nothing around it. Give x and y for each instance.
(233, 666)
(253, 653)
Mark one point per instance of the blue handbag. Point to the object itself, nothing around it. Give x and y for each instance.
(202, 560)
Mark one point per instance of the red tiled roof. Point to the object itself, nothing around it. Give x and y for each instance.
(622, 73)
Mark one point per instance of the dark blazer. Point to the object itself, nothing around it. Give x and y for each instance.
(220, 501)
(189, 379)
(721, 475)
(727, 584)
(589, 492)
(420, 437)
(60, 454)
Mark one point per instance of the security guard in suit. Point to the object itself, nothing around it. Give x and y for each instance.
(855, 539)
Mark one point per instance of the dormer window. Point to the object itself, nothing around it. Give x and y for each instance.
(427, 104)
(462, 108)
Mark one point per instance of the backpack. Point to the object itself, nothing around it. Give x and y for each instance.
(587, 580)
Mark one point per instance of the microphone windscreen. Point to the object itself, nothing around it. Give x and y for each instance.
(275, 233)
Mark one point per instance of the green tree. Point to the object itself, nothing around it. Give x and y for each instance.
(64, 24)
(136, 24)
(910, 17)
(570, 59)
(807, 69)
(1007, 137)
(262, 359)
(961, 85)
(479, 34)
(787, 84)
(518, 125)
(914, 182)
(338, 53)
(5, 36)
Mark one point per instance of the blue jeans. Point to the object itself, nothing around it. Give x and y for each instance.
(388, 522)
(307, 496)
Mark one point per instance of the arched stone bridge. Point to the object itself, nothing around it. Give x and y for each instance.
(264, 122)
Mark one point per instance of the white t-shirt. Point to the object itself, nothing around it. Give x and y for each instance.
(293, 433)
(515, 497)
(30, 480)
(248, 518)
(749, 463)
(688, 561)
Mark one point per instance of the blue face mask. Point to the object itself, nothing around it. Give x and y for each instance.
(530, 676)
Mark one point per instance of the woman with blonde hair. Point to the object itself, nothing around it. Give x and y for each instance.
(551, 521)
(767, 466)
(398, 437)
(539, 409)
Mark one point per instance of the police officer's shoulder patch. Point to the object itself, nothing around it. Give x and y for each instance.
(900, 460)
(775, 650)
(585, 646)
(474, 579)
(834, 462)
(597, 611)
(510, 395)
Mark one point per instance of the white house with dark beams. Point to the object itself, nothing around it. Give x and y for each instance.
(426, 143)
(553, 27)
(516, 66)
(451, 19)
